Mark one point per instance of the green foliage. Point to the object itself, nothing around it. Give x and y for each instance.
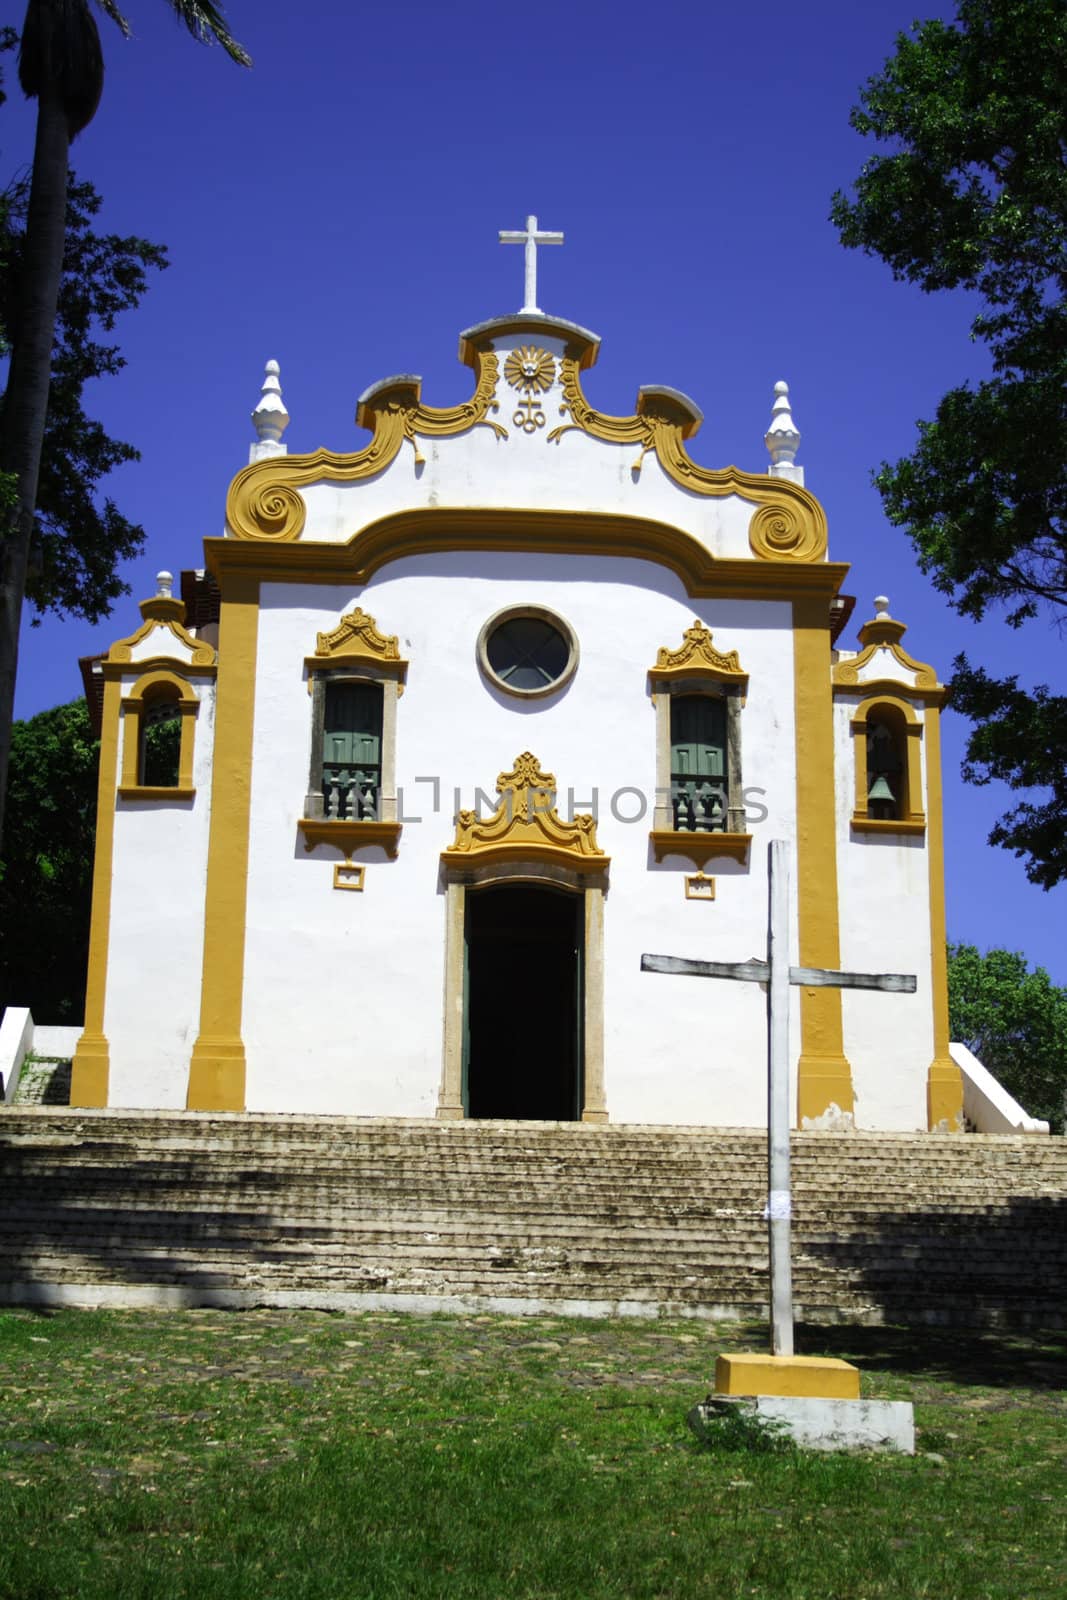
(1020, 738)
(1015, 1022)
(974, 196)
(79, 541)
(737, 1429)
(48, 861)
(162, 748)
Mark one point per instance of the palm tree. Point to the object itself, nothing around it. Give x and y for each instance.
(61, 66)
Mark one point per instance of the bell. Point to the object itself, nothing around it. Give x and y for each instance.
(880, 790)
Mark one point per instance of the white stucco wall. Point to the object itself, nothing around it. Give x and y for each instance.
(343, 997)
(152, 1009)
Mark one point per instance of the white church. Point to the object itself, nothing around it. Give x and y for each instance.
(450, 730)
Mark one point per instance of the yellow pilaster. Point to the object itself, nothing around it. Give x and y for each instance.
(824, 1081)
(217, 1067)
(91, 1066)
(944, 1083)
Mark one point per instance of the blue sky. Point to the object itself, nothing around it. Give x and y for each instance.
(337, 208)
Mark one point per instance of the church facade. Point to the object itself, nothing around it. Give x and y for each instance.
(451, 730)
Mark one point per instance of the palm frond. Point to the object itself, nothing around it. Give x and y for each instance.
(110, 9)
(206, 22)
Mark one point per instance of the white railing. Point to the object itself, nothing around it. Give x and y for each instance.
(987, 1105)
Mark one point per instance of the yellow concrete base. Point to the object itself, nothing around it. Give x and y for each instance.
(216, 1076)
(824, 1086)
(813, 1377)
(944, 1096)
(90, 1072)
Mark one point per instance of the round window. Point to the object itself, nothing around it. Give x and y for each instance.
(527, 651)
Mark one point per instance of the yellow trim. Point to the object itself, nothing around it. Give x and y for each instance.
(90, 1069)
(263, 501)
(879, 688)
(811, 1377)
(914, 819)
(885, 633)
(944, 1093)
(526, 826)
(217, 1067)
(134, 703)
(789, 523)
(174, 664)
(884, 825)
(163, 616)
(349, 836)
(431, 530)
(150, 791)
(824, 1077)
(697, 657)
(699, 887)
(356, 638)
(349, 875)
(700, 848)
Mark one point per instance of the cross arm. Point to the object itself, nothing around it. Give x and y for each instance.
(759, 972)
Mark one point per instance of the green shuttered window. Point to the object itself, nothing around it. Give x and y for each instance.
(352, 751)
(698, 763)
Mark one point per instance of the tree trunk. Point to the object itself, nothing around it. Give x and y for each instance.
(26, 401)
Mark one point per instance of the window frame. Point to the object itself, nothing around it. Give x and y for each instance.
(355, 652)
(699, 669)
(539, 613)
(909, 733)
(150, 689)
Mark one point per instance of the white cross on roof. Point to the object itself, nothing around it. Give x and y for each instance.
(531, 238)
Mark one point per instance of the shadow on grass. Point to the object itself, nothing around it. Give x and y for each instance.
(990, 1358)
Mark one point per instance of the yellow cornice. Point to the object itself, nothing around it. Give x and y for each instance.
(697, 657)
(526, 824)
(431, 530)
(700, 848)
(121, 652)
(348, 836)
(112, 670)
(931, 695)
(264, 502)
(356, 641)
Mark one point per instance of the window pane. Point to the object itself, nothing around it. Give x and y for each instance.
(527, 653)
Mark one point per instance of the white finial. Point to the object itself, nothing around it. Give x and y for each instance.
(164, 585)
(270, 418)
(531, 239)
(783, 438)
(881, 608)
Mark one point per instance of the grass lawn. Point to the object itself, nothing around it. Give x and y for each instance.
(267, 1454)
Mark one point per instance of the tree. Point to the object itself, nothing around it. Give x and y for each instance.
(46, 885)
(61, 67)
(973, 196)
(77, 543)
(1015, 1022)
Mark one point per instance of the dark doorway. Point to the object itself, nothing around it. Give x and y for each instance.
(523, 1021)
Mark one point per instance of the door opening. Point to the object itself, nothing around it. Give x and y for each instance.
(523, 1019)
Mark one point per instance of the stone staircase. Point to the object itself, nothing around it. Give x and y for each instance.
(189, 1208)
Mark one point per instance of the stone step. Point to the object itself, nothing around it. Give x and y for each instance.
(905, 1227)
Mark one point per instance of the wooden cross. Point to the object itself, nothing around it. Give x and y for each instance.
(777, 974)
(531, 239)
